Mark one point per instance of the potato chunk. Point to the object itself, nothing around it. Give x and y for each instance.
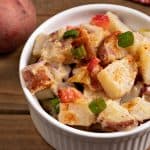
(139, 108)
(115, 118)
(109, 50)
(145, 62)
(116, 24)
(57, 51)
(145, 33)
(38, 44)
(76, 113)
(118, 78)
(96, 34)
(37, 77)
(135, 47)
(42, 41)
(91, 95)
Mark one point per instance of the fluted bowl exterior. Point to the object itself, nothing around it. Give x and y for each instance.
(63, 137)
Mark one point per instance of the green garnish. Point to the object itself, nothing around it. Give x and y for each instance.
(79, 52)
(97, 106)
(71, 33)
(55, 105)
(126, 39)
(51, 105)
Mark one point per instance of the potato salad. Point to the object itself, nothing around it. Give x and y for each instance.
(93, 76)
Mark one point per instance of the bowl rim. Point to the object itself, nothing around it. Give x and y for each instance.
(49, 118)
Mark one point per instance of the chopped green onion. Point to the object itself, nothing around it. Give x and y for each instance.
(54, 102)
(126, 39)
(79, 52)
(51, 105)
(71, 33)
(97, 106)
(57, 109)
(55, 105)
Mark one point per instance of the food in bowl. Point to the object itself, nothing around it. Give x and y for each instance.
(93, 76)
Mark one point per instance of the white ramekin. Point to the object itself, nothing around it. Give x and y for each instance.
(63, 137)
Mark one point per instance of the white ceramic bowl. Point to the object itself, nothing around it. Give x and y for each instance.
(63, 137)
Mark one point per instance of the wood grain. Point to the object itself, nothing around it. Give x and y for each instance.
(18, 133)
(16, 128)
(11, 95)
(51, 7)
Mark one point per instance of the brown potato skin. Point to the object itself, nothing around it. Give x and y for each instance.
(17, 21)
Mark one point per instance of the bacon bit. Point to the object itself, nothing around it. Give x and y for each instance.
(109, 50)
(83, 39)
(68, 94)
(92, 64)
(95, 83)
(101, 20)
(93, 68)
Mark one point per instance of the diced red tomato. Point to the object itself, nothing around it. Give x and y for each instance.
(68, 94)
(92, 64)
(101, 20)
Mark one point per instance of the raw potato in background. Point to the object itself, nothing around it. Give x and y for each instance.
(17, 21)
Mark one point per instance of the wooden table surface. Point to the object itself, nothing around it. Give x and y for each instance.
(17, 131)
